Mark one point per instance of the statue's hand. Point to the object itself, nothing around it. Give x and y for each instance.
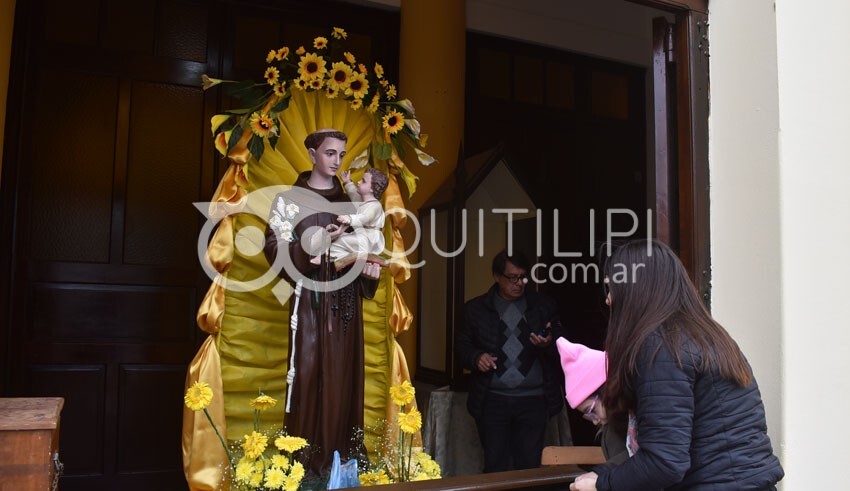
(371, 271)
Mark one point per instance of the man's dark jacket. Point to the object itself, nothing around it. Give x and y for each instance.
(483, 332)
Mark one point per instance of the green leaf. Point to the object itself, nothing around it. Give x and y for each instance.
(273, 140)
(256, 147)
(383, 151)
(234, 137)
(282, 105)
(234, 90)
(240, 111)
(399, 148)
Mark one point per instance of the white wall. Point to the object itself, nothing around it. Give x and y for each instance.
(780, 217)
(744, 177)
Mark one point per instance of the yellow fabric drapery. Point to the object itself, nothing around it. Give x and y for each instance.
(252, 340)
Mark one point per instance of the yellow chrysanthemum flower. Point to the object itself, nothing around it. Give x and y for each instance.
(244, 469)
(349, 57)
(340, 76)
(280, 89)
(379, 70)
(421, 476)
(272, 74)
(410, 422)
(256, 480)
(358, 86)
(262, 125)
(373, 106)
(282, 53)
(339, 33)
(255, 444)
(263, 402)
(288, 443)
(301, 84)
(374, 478)
(317, 83)
(362, 69)
(356, 104)
(271, 56)
(297, 471)
(311, 66)
(300, 51)
(280, 461)
(403, 394)
(331, 92)
(274, 478)
(391, 93)
(320, 42)
(393, 122)
(291, 484)
(198, 397)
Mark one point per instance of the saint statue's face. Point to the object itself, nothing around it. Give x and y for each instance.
(328, 157)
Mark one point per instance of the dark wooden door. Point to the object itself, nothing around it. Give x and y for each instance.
(107, 147)
(109, 155)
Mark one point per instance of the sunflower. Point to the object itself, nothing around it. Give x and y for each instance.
(282, 53)
(300, 83)
(373, 106)
(410, 422)
(384, 83)
(262, 125)
(320, 42)
(263, 402)
(339, 33)
(358, 87)
(349, 57)
(300, 51)
(280, 89)
(311, 66)
(289, 443)
(379, 70)
(362, 69)
(272, 75)
(274, 478)
(331, 92)
(255, 444)
(271, 56)
(356, 104)
(393, 122)
(340, 76)
(317, 83)
(402, 394)
(199, 396)
(391, 92)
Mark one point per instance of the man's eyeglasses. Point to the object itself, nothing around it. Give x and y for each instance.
(516, 278)
(588, 415)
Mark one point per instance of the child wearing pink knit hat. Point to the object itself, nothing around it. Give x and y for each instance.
(584, 375)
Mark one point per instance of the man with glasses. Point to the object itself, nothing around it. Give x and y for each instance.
(506, 341)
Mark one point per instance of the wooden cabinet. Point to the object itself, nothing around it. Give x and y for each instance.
(29, 443)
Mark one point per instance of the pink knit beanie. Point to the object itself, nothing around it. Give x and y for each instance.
(584, 370)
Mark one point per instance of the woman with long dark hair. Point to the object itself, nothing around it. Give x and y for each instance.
(696, 418)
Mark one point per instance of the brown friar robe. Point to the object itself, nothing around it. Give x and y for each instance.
(327, 398)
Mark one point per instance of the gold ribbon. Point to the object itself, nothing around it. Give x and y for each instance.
(203, 456)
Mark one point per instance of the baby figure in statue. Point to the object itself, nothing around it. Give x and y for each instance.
(367, 240)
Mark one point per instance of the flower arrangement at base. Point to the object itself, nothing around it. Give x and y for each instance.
(262, 460)
(333, 73)
(404, 462)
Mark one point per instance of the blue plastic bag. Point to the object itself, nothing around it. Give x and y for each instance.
(343, 475)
